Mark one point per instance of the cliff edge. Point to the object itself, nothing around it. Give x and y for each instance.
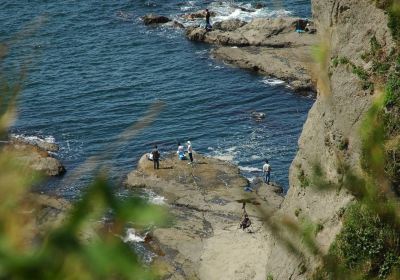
(330, 136)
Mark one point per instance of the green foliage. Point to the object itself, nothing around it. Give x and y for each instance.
(318, 228)
(394, 20)
(360, 72)
(375, 46)
(368, 243)
(304, 181)
(392, 91)
(270, 277)
(344, 144)
(344, 60)
(335, 62)
(297, 212)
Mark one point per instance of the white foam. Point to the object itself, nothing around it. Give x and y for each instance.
(155, 198)
(251, 179)
(273, 82)
(227, 10)
(33, 139)
(189, 6)
(250, 169)
(158, 200)
(131, 236)
(255, 157)
(224, 157)
(227, 154)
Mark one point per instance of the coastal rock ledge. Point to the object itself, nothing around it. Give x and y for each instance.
(37, 156)
(268, 46)
(206, 199)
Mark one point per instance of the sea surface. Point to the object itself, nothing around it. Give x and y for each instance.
(93, 70)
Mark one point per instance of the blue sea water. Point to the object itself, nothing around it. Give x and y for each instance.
(93, 70)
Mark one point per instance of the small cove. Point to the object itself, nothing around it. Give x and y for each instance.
(97, 70)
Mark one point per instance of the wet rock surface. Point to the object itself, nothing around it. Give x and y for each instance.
(206, 199)
(152, 19)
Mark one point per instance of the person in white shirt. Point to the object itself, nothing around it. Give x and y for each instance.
(190, 151)
(267, 171)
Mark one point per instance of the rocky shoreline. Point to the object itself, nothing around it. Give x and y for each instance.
(36, 154)
(269, 46)
(206, 200)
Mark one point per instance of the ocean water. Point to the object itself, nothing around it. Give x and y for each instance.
(93, 70)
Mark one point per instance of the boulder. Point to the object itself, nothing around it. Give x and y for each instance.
(42, 144)
(229, 25)
(154, 19)
(195, 33)
(35, 157)
(197, 15)
(258, 6)
(258, 116)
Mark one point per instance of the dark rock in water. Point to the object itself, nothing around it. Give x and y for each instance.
(229, 25)
(258, 116)
(259, 6)
(177, 24)
(154, 19)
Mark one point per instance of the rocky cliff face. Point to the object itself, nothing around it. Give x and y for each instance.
(331, 133)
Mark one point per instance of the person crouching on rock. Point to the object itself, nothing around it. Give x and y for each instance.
(156, 157)
(208, 24)
(181, 152)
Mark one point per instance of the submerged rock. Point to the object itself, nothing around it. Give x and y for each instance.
(259, 6)
(258, 116)
(154, 19)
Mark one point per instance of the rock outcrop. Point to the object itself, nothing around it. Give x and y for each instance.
(36, 156)
(268, 46)
(206, 200)
(229, 25)
(197, 15)
(155, 19)
(346, 27)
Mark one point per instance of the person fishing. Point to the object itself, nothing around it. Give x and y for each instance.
(267, 172)
(156, 157)
(208, 24)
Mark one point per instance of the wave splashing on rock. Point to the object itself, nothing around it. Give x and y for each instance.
(227, 10)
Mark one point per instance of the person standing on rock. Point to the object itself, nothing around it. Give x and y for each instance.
(190, 151)
(267, 171)
(156, 157)
(208, 24)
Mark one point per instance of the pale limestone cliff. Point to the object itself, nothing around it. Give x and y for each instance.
(346, 27)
